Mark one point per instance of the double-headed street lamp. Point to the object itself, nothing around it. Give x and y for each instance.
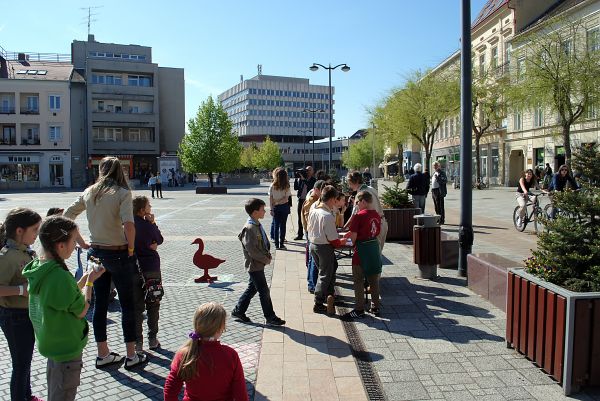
(304, 131)
(345, 68)
(313, 111)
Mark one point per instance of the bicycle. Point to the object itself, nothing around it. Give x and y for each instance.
(536, 214)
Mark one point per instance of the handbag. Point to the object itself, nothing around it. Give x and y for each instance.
(370, 256)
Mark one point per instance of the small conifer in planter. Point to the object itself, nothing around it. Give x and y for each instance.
(568, 253)
(396, 197)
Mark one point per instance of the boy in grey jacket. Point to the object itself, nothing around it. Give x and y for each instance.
(256, 256)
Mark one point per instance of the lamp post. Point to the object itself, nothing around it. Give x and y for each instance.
(304, 131)
(345, 68)
(313, 111)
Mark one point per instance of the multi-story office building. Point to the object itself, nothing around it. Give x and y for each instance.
(36, 121)
(134, 109)
(274, 106)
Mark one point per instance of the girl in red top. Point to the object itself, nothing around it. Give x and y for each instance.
(364, 229)
(210, 370)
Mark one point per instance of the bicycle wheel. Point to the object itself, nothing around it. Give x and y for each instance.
(517, 221)
(548, 210)
(538, 225)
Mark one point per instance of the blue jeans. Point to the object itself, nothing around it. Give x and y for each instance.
(120, 269)
(19, 335)
(257, 283)
(312, 271)
(280, 215)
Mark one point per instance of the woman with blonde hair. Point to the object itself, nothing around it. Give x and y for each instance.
(109, 210)
(209, 369)
(279, 194)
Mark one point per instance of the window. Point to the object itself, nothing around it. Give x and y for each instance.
(139, 80)
(33, 136)
(518, 121)
(33, 104)
(54, 134)
(593, 39)
(592, 112)
(54, 101)
(495, 57)
(134, 134)
(538, 116)
(100, 105)
(481, 64)
(567, 47)
(520, 67)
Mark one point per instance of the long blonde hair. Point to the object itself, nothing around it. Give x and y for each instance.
(281, 181)
(110, 175)
(209, 320)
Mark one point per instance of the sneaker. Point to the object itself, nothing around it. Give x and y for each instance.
(275, 321)
(319, 308)
(153, 343)
(330, 305)
(354, 314)
(137, 360)
(298, 238)
(311, 290)
(282, 248)
(240, 317)
(111, 359)
(376, 312)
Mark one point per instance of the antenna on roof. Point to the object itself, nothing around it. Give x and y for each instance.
(241, 78)
(90, 16)
(259, 69)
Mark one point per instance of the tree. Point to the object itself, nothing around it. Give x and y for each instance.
(421, 105)
(268, 156)
(389, 128)
(365, 152)
(557, 69)
(248, 156)
(211, 145)
(488, 109)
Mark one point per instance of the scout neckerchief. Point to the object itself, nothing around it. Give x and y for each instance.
(262, 232)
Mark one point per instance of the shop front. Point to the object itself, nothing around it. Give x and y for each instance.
(125, 160)
(20, 171)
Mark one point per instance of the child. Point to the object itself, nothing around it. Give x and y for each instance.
(147, 239)
(256, 256)
(17, 233)
(57, 307)
(210, 370)
(366, 259)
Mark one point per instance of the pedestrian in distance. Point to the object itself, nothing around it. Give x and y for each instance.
(366, 258)
(210, 370)
(255, 246)
(17, 233)
(58, 305)
(439, 190)
(303, 184)
(148, 280)
(158, 185)
(109, 210)
(279, 194)
(152, 184)
(418, 187)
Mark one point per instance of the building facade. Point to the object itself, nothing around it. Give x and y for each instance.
(274, 106)
(123, 100)
(36, 121)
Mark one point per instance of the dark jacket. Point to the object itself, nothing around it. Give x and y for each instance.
(559, 183)
(418, 184)
(299, 184)
(147, 233)
(256, 251)
(441, 179)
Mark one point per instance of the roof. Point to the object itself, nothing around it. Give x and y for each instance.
(40, 70)
(556, 9)
(488, 9)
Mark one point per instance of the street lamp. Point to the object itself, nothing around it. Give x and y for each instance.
(345, 68)
(305, 131)
(313, 111)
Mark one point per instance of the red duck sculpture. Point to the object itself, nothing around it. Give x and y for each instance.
(205, 262)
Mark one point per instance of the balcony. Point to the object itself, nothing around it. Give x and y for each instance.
(7, 110)
(30, 111)
(148, 119)
(34, 141)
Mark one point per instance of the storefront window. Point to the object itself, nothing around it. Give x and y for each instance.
(495, 163)
(19, 172)
(484, 159)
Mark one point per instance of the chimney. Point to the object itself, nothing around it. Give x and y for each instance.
(3, 68)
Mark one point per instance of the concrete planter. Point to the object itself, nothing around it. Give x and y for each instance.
(400, 223)
(488, 275)
(211, 190)
(542, 322)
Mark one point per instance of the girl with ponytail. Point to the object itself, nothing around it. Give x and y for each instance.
(58, 305)
(17, 234)
(209, 369)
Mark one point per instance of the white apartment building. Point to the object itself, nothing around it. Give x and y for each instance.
(35, 122)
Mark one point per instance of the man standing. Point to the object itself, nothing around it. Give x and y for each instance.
(418, 186)
(303, 183)
(438, 190)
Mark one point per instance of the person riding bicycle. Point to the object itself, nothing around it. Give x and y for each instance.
(561, 181)
(526, 182)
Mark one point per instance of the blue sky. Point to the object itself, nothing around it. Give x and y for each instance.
(217, 41)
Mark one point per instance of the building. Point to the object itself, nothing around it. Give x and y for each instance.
(133, 108)
(36, 121)
(274, 106)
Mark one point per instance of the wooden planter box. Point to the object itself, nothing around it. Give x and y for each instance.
(211, 190)
(542, 323)
(400, 223)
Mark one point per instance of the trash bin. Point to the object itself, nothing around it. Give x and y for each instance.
(427, 244)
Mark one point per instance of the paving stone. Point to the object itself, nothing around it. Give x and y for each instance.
(405, 391)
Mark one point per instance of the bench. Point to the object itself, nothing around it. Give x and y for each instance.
(488, 276)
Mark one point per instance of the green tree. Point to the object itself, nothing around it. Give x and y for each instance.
(389, 128)
(248, 156)
(268, 156)
(421, 105)
(210, 145)
(557, 68)
(365, 152)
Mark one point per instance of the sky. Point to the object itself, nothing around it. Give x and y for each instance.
(382, 41)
